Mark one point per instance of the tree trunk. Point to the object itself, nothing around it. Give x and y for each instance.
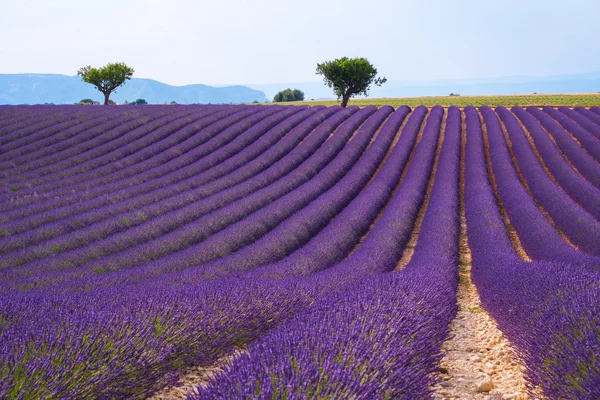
(345, 99)
(106, 95)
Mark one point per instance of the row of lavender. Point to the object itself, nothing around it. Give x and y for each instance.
(303, 202)
(110, 232)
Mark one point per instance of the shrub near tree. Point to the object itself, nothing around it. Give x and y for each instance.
(87, 101)
(349, 77)
(106, 79)
(289, 95)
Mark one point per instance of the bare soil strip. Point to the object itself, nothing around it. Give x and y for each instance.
(409, 250)
(532, 143)
(478, 361)
(512, 233)
(574, 138)
(410, 157)
(194, 378)
(524, 183)
(389, 151)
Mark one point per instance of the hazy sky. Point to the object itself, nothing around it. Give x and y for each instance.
(217, 42)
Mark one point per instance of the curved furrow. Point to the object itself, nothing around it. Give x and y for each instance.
(24, 131)
(579, 158)
(112, 161)
(229, 139)
(537, 234)
(304, 225)
(230, 228)
(589, 125)
(22, 128)
(580, 190)
(293, 239)
(269, 142)
(553, 197)
(179, 135)
(178, 152)
(595, 118)
(134, 211)
(181, 150)
(107, 153)
(586, 140)
(220, 132)
(17, 120)
(87, 136)
(35, 135)
(480, 202)
(242, 199)
(40, 125)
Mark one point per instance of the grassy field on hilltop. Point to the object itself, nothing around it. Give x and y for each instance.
(570, 100)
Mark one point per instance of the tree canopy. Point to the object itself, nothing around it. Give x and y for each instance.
(349, 77)
(139, 102)
(108, 78)
(289, 95)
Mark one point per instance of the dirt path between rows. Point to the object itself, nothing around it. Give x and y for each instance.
(194, 378)
(478, 362)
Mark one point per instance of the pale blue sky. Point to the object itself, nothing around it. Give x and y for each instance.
(228, 42)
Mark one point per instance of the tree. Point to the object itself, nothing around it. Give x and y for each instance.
(88, 101)
(289, 95)
(298, 94)
(139, 102)
(108, 78)
(349, 77)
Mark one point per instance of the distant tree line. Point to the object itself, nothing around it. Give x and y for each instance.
(88, 102)
(137, 102)
(289, 95)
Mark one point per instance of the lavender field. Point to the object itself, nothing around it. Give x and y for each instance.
(137, 242)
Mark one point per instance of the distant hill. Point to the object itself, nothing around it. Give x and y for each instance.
(574, 83)
(63, 89)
